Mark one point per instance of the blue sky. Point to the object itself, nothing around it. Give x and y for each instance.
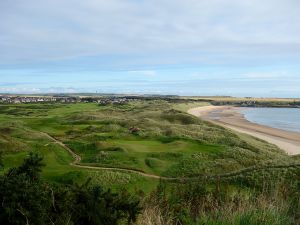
(190, 47)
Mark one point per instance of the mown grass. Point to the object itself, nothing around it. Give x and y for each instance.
(152, 156)
(57, 169)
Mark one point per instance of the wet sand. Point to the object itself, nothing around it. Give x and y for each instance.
(231, 118)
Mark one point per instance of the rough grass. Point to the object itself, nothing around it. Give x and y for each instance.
(229, 168)
(169, 142)
(184, 107)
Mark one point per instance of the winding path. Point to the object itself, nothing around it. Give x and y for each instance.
(77, 159)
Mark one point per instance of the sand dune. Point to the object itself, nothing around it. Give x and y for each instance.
(231, 118)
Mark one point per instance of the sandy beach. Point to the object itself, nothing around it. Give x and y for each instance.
(231, 118)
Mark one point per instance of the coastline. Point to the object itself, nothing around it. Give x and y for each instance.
(230, 117)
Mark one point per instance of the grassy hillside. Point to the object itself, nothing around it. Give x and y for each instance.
(159, 139)
(167, 142)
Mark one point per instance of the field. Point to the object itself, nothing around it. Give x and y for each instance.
(139, 145)
(168, 142)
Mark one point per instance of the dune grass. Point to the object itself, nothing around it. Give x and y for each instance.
(169, 142)
(235, 179)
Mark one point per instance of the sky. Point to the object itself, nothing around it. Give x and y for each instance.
(181, 47)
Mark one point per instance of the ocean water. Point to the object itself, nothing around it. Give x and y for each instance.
(281, 118)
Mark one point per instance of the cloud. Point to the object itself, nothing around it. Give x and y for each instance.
(158, 46)
(27, 90)
(149, 32)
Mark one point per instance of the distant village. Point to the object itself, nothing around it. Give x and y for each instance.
(6, 99)
(120, 100)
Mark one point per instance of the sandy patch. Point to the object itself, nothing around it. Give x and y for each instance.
(231, 118)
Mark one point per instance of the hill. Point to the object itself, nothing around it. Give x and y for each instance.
(144, 145)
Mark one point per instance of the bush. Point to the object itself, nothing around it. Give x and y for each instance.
(25, 199)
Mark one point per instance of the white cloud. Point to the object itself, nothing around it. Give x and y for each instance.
(174, 31)
(35, 90)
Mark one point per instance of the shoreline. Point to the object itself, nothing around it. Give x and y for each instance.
(230, 117)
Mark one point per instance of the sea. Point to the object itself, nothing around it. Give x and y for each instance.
(281, 118)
